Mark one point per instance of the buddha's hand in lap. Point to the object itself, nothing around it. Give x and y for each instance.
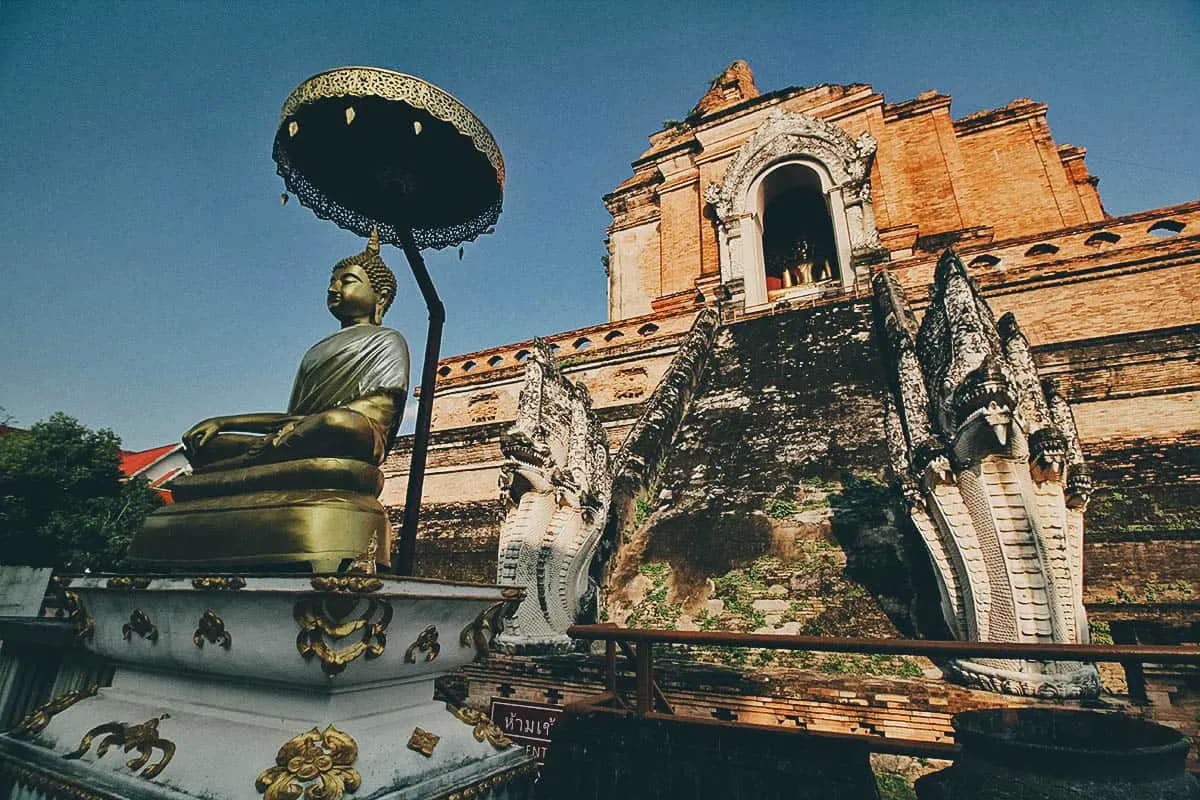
(281, 436)
(199, 434)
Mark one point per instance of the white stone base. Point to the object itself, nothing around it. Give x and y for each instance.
(225, 731)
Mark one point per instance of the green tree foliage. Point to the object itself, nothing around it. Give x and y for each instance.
(63, 502)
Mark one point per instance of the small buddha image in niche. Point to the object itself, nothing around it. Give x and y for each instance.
(797, 240)
(298, 488)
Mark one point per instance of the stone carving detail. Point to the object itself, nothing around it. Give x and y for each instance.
(629, 383)
(555, 485)
(483, 408)
(787, 136)
(989, 461)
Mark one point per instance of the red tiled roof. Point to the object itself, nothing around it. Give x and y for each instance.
(159, 482)
(133, 463)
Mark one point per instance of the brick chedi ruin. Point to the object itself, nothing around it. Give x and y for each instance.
(869, 370)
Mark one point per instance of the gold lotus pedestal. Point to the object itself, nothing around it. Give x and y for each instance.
(272, 519)
(233, 686)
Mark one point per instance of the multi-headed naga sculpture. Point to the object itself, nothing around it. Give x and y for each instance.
(555, 484)
(994, 479)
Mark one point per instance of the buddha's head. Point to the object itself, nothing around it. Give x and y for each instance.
(362, 287)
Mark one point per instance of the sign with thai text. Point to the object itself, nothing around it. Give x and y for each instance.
(527, 724)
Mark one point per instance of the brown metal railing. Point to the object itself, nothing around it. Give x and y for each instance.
(648, 693)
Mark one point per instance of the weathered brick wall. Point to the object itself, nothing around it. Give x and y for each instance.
(1154, 415)
(1017, 181)
(998, 169)
(680, 228)
(1144, 386)
(1085, 185)
(620, 363)
(1151, 362)
(920, 190)
(1123, 303)
(1142, 543)
(634, 270)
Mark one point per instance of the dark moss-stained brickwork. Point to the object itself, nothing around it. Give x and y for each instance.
(1147, 489)
(772, 510)
(457, 541)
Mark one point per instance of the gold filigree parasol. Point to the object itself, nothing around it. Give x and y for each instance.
(368, 147)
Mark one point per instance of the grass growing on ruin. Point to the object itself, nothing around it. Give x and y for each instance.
(738, 589)
(868, 664)
(818, 566)
(814, 495)
(894, 786)
(653, 610)
(780, 508)
(1101, 632)
(641, 511)
(1151, 592)
(1128, 511)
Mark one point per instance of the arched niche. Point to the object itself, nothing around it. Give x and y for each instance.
(793, 150)
(799, 246)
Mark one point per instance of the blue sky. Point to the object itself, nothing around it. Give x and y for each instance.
(151, 277)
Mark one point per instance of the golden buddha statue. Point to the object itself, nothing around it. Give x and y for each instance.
(301, 486)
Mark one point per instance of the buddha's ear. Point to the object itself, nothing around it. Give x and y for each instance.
(385, 297)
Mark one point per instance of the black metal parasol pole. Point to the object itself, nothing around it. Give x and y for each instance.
(420, 448)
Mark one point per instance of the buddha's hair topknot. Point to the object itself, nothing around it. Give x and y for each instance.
(378, 273)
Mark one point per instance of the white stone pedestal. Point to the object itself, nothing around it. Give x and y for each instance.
(276, 687)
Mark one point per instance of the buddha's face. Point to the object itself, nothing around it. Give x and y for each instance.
(351, 298)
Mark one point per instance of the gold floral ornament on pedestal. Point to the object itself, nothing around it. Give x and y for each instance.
(128, 582)
(325, 621)
(484, 728)
(348, 584)
(488, 623)
(423, 742)
(144, 738)
(314, 764)
(427, 643)
(73, 611)
(140, 624)
(36, 721)
(212, 628)
(219, 583)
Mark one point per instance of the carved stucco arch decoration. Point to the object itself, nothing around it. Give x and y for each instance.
(843, 166)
